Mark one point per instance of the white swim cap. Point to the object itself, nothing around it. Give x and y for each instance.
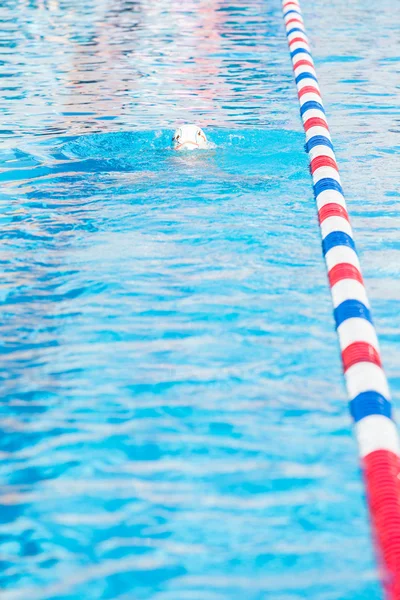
(189, 137)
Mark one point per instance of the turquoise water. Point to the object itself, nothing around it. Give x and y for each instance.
(173, 413)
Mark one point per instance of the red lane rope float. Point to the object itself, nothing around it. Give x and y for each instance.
(308, 89)
(344, 271)
(323, 161)
(360, 352)
(332, 210)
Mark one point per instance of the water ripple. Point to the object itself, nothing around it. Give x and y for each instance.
(174, 422)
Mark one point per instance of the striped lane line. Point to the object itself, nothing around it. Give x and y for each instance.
(369, 396)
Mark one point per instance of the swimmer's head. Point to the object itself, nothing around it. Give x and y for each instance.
(189, 137)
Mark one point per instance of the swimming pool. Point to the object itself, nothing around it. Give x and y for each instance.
(174, 419)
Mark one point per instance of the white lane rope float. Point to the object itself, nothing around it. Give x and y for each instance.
(366, 382)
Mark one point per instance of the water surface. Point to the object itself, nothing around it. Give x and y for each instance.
(173, 414)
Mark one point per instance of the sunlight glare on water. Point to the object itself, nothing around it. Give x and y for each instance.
(174, 422)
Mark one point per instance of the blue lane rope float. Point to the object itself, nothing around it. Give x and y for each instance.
(367, 387)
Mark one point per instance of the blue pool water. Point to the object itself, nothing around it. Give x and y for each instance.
(174, 421)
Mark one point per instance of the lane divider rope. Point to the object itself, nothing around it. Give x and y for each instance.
(366, 383)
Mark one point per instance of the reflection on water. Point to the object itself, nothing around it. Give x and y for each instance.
(174, 424)
(141, 64)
